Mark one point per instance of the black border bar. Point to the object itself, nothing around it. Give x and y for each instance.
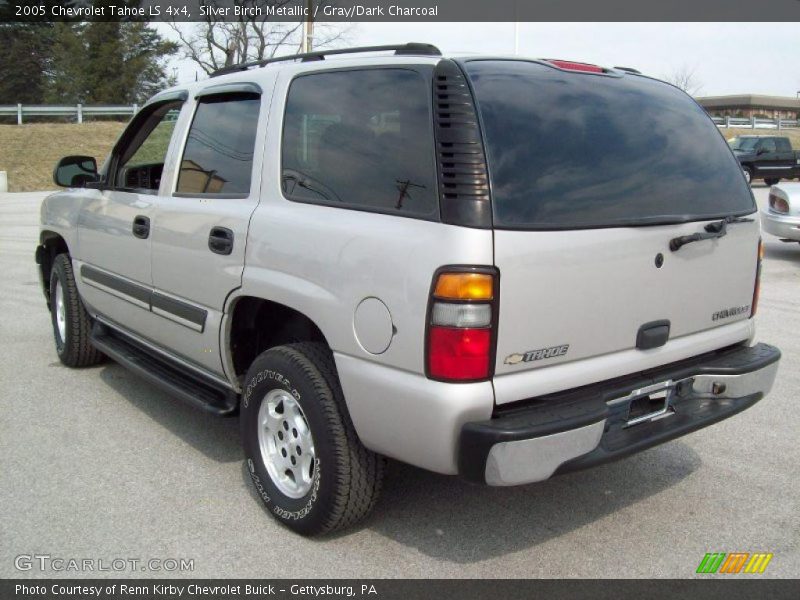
(728, 587)
(407, 10)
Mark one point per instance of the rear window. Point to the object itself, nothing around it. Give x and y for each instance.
(569, 150)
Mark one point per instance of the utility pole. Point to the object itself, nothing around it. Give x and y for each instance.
(308, 28)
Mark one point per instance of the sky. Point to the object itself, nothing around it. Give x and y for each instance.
(727, 58)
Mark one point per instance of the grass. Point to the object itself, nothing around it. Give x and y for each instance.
(29, 152)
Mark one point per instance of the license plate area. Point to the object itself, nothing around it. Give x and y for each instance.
(646, 404)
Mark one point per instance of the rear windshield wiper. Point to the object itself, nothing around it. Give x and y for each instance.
(717, 229)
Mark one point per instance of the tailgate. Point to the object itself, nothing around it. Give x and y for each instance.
(572, 295)
(592, 175)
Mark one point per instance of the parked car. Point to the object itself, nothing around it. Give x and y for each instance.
(766, 157)
(478, 266)
(781, 217)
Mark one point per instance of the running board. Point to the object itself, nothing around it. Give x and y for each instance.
(192, 389)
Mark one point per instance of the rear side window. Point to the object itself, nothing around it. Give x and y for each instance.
(569, 150)
(361, 139)
(218, 158)
(768, 145)
(784, 145)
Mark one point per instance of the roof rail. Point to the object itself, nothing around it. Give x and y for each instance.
(412, 48)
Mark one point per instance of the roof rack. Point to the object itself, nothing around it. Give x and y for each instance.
(629, 70)
(412, 48)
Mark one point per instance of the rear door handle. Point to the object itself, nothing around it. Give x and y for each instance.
(220, 240)
(141, 226)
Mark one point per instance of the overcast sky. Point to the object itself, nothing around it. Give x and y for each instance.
(728, 58)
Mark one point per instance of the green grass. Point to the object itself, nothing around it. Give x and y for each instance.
(29, 152)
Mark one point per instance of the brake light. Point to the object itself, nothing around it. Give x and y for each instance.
(757, 287)
(778, 204)
(461, 328)
(569, 65)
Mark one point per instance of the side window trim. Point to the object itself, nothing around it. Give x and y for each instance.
(129, 135)
(426, 72)
(218, 91)
(239, 87)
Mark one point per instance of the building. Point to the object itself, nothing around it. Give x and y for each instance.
(751, 105)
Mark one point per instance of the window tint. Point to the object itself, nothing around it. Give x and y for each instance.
(142, 161)
(572, 150)
(784, 145)
(768, 145)
(218, 158)
(361, 139)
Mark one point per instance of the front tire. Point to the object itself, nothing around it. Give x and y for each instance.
(71, 323)
(303, 454)
(748, 175)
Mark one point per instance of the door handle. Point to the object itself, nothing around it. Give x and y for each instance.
(220, 240)
(141, 226)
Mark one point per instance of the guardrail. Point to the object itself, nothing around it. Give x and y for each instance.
(755, 123)
(77, 111)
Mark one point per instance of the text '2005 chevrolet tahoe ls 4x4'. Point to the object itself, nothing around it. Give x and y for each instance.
(498, 268)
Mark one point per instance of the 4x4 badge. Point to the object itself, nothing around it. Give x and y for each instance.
(542, 353)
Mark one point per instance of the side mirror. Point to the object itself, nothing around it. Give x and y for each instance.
(75, 171)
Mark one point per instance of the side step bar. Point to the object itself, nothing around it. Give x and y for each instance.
(203, 394)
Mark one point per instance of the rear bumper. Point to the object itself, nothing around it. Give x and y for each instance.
(593, 424)
(782, 226)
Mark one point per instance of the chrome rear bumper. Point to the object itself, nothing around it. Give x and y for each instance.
(596, 424)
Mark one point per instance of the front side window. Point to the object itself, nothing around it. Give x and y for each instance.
(141, 162)
(218, 158)
(361, 139)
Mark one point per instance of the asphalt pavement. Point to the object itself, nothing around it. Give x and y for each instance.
(97, 464)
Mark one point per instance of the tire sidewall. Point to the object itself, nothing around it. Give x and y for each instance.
(59, 276)
(275, 370)
(748, 175)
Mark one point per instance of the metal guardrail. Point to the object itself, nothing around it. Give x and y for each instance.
(755, 123)
(77, 111)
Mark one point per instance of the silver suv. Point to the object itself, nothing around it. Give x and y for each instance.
(499, 268)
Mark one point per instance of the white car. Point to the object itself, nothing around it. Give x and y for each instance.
(782, 217)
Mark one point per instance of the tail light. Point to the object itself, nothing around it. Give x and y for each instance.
(778, 204)
(461, 324)
(757, 287)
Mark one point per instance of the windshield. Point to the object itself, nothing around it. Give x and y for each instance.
(743, 143)
(568, 150)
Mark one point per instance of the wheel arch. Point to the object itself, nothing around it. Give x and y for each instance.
(255, 324)
(51, 244)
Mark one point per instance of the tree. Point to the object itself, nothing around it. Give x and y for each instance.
(108, 63)
(24, 61)
(685, 78)
(216, 43)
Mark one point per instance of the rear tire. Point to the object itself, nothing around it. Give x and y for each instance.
(303, 454)
(773, 181)
(71, 323)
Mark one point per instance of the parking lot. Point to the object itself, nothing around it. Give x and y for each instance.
(98, 464)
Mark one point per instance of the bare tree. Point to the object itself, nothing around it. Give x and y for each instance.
(216, 43)
(685, 78)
